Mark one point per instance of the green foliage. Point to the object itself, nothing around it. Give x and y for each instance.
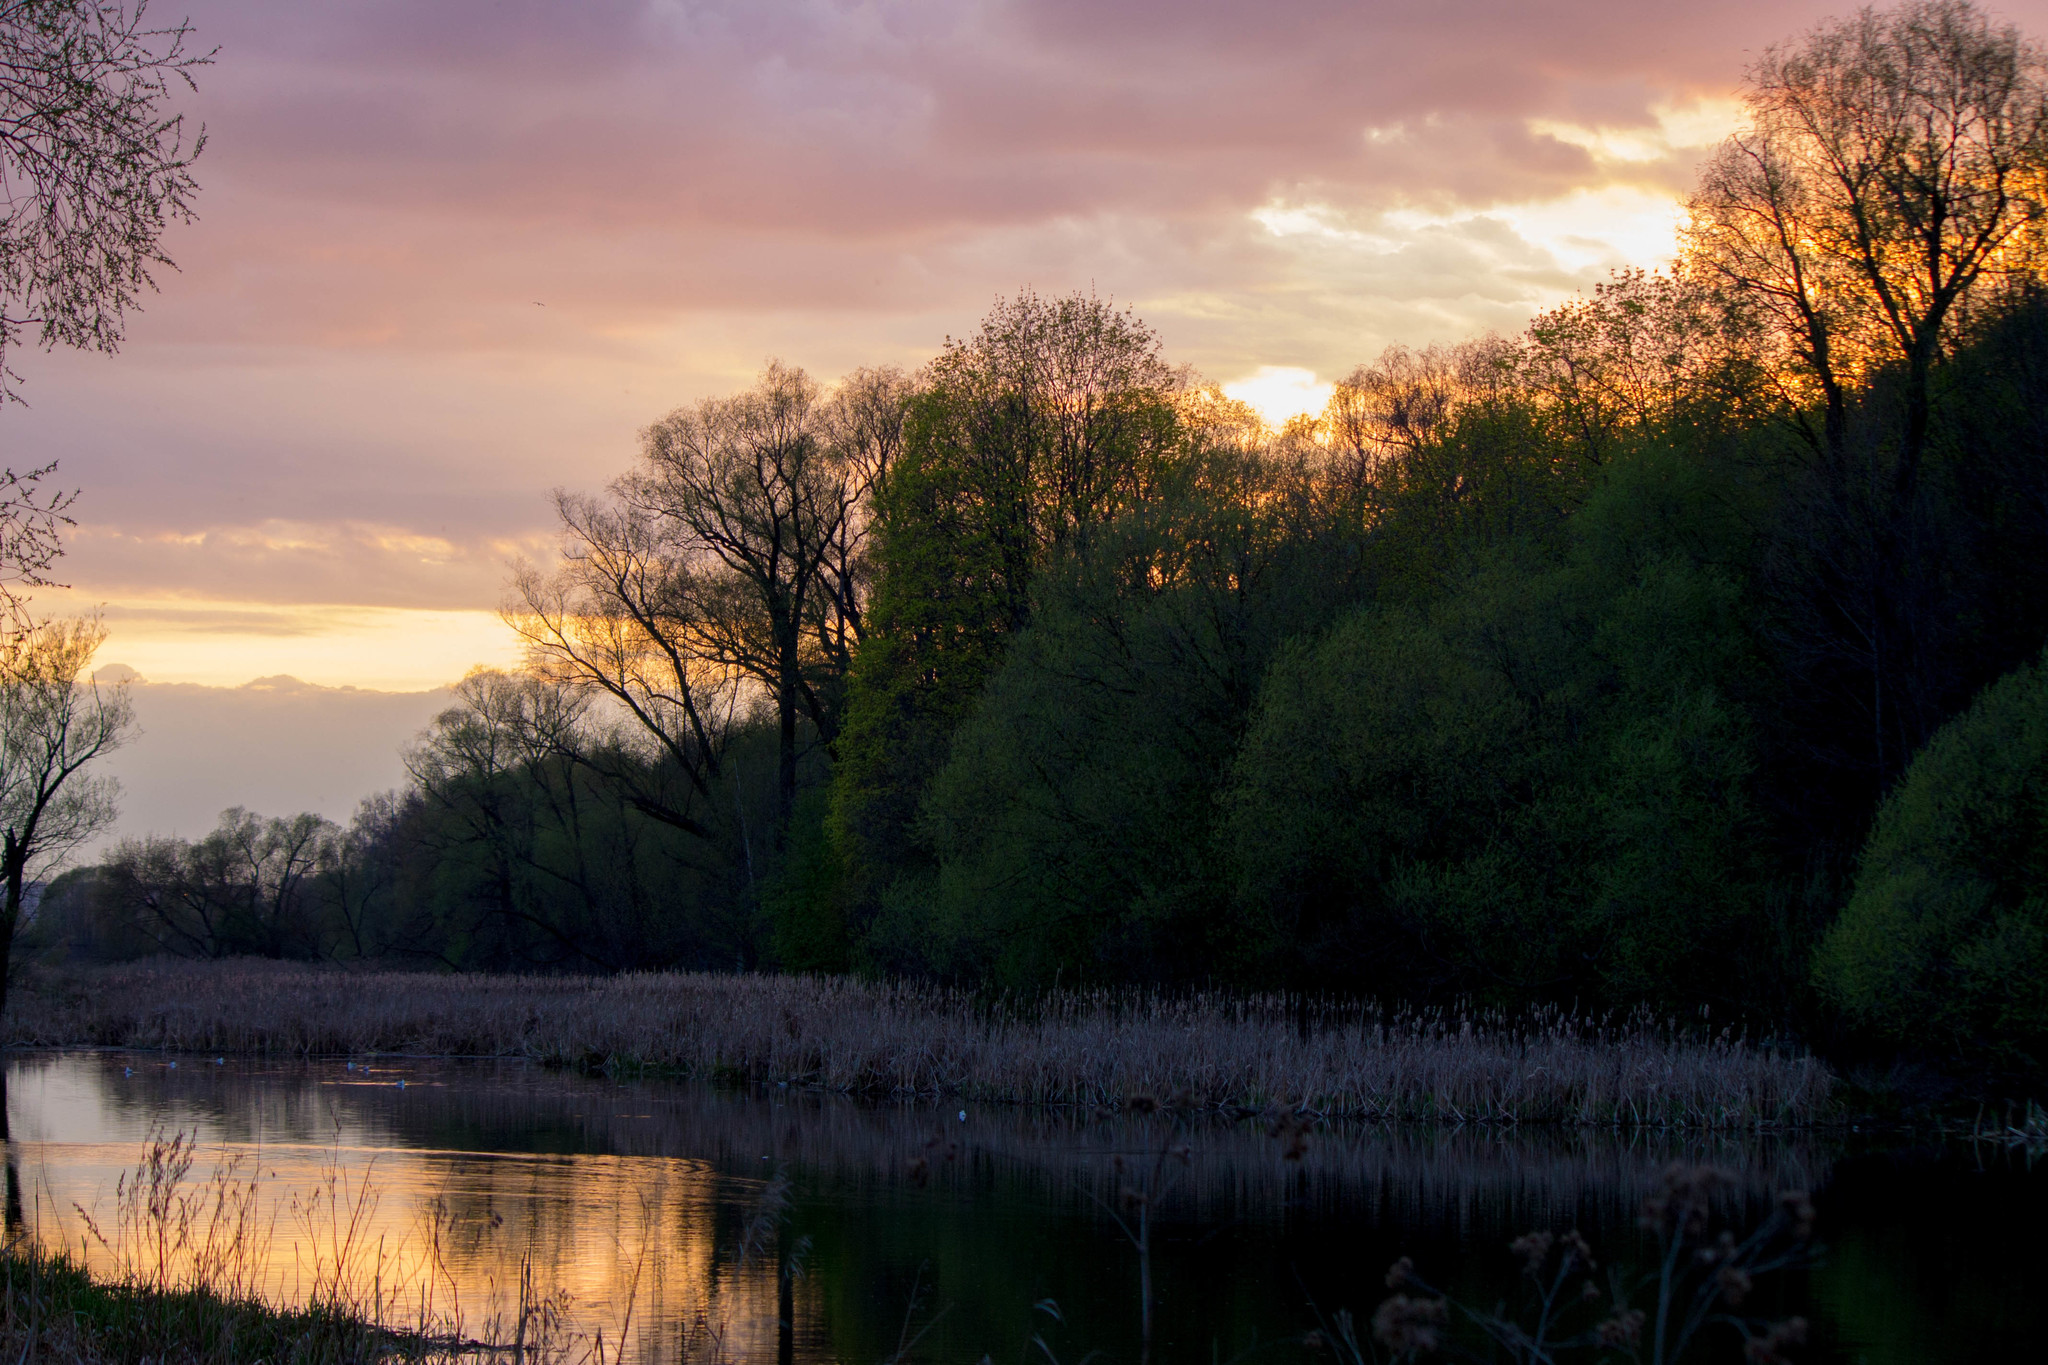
(1023, 439)
(1072, 823)
(54, 1308)
(805, 901)
(1945, 941)
(1564, 666)
(1533, 783)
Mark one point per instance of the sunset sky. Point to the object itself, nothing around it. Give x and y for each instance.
(454, 254)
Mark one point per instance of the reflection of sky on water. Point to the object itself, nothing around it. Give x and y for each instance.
(439, 1228)
(640, 1193)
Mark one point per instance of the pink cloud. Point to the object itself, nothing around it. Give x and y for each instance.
(689, 187)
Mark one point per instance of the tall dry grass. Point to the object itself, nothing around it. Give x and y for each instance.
(1082, 1048)
(225, 1269)
(183, 1270)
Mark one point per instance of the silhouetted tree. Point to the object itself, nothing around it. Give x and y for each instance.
(55, 722)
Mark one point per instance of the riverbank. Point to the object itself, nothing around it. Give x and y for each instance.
(52, 1310)
(1096, 1049)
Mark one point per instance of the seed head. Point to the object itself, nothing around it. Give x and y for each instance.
(1798, 1210)
(1534, 1249)
(1770, 1347)
(1623, 1329)
(1408, 1326)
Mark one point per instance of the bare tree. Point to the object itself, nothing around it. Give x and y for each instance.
(733, 562)
(94, 166)
(622, 616)
(1892, 168)
(864, 435)
(55, 722)
(759, 503)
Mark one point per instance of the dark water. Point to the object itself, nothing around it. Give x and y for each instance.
(800, 1228)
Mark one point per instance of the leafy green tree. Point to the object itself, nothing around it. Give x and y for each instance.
(1532, 782)
(1944, 943)
(1020, 441)
(1073, 821)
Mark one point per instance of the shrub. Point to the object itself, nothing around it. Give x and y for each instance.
(1945, 938)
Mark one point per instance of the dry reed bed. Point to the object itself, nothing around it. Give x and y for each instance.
(1092, 1049)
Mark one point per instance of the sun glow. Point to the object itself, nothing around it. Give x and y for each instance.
(1278, 392)
(228, 643)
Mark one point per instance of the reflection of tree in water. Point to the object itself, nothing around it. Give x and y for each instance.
(638, 1193)
(657, 1237)
(13, 1211)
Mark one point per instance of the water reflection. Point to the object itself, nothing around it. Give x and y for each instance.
(655, 1209)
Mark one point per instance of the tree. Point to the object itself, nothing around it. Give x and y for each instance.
(1888, 197)
(55, 722)
(1019, 443)
(736, 556)
(94, 166)
(767, 511)
(1945, 942)
(1892, 168)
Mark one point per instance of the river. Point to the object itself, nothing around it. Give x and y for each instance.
(773, 1224)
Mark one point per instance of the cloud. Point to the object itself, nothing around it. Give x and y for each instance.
(453, 255)
(396, 174)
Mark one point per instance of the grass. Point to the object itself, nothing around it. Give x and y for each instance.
(181, 1271)
(1099, 1049)
(51, 1308)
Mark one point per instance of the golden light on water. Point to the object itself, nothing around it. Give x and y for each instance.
(462, 1243)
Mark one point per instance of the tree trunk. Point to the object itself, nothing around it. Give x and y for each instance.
(786, 703)
(10, 914)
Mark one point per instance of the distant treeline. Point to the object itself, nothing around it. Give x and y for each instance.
(1632, 659)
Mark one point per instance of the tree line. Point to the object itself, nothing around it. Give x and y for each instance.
(1624, 660)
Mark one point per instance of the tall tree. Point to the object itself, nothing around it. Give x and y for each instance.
(1891, 169)
(758, 496)
(55, 722)
(1021, 441)
(1888, 191)
(735, 557)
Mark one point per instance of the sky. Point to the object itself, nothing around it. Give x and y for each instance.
(451, 256)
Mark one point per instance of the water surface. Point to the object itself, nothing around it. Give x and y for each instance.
(808, 1228)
